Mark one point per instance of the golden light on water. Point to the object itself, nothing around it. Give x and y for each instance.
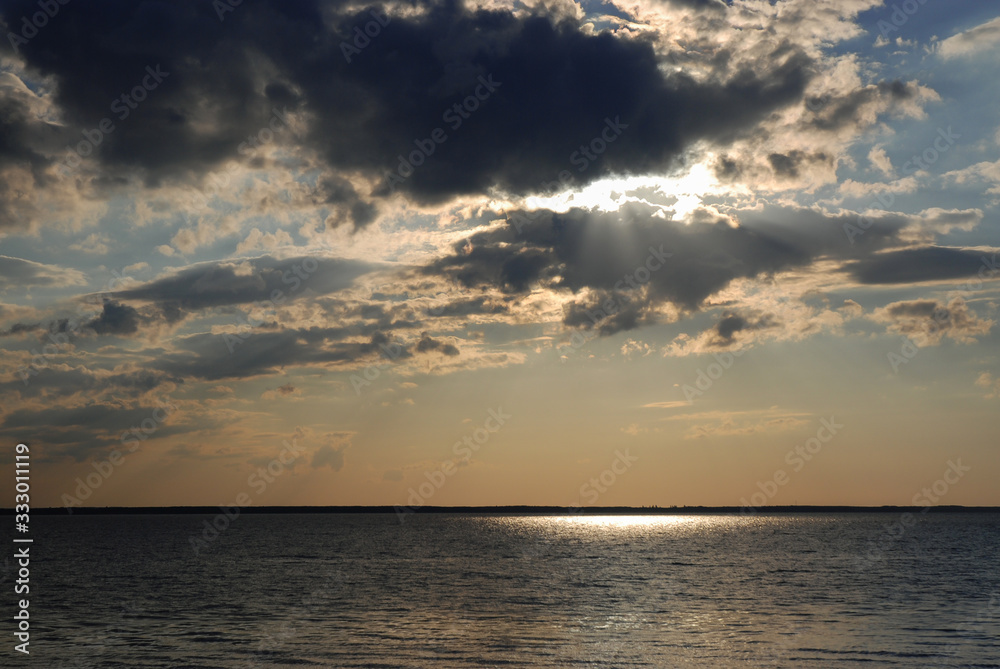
(615, 522)
(600, 527)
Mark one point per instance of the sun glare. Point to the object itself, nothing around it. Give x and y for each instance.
(676, 196)
(615, 522)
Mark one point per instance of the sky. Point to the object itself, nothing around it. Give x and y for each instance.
(658, 252)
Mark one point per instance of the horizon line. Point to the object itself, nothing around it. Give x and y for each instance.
(513, 508)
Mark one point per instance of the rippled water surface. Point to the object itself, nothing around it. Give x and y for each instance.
(445, 591)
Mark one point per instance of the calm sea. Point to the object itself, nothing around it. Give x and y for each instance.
(820, 590)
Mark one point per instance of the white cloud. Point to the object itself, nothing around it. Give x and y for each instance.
(971, 42)
(854, 188)
(984, 172)
(880, 160)
(264, 240)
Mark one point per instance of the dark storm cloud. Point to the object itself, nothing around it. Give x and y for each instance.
(112, 319)
(609, 312)
(98, 53)
(20, 134)
(261, 352)
(266, 351)
(428, 343)
(716, 5)
(52, 382)
(215, 356)
(24, 142)
(365, 319)
(932, 263)
(223, 283)
(86, 431)
(834, 113)
(579, 250)
(788, 164)
(555, 88)
(606, 253)
(469, 307)
(829, 114)
(115, 319)
(724, 332)
(53, 327)
(914, 309)
(348, 204)
(19, 329)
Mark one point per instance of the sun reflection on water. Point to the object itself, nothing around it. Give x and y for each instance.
(604, 527)
(625, 521)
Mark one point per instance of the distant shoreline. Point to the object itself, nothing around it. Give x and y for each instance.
(508, 510)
